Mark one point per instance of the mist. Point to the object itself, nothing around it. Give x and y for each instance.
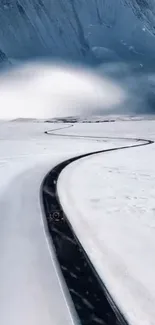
(137, 79)
(115, 39)
(44, 90)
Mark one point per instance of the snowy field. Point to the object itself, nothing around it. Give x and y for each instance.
(109, 200)
(28, 273)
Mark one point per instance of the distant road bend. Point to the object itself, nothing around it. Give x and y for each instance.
(92, 300)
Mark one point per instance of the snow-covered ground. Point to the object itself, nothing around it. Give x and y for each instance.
(30, 290)
(94, 192)
(109, 200)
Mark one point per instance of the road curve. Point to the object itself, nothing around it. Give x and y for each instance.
(71, 255)
(137, 140)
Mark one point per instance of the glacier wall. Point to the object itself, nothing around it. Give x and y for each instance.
(92, 30)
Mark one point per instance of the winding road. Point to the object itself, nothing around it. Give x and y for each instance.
(92, 300)
(33, 290)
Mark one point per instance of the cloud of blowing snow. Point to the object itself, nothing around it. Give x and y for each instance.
(53, 90)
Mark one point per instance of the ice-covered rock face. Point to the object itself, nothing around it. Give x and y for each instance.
(145, 11)
(3, 57)
(73, 28)
(4, 61)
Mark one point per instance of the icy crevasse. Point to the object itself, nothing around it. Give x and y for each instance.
(72, 28)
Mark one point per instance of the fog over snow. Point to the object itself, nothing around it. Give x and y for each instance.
(105, 34)
(45, 91)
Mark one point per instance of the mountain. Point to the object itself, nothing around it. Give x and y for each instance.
(78, 29)
(145, 11)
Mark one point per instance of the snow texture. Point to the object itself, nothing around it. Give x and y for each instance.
(32, 290)
(109, 200)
